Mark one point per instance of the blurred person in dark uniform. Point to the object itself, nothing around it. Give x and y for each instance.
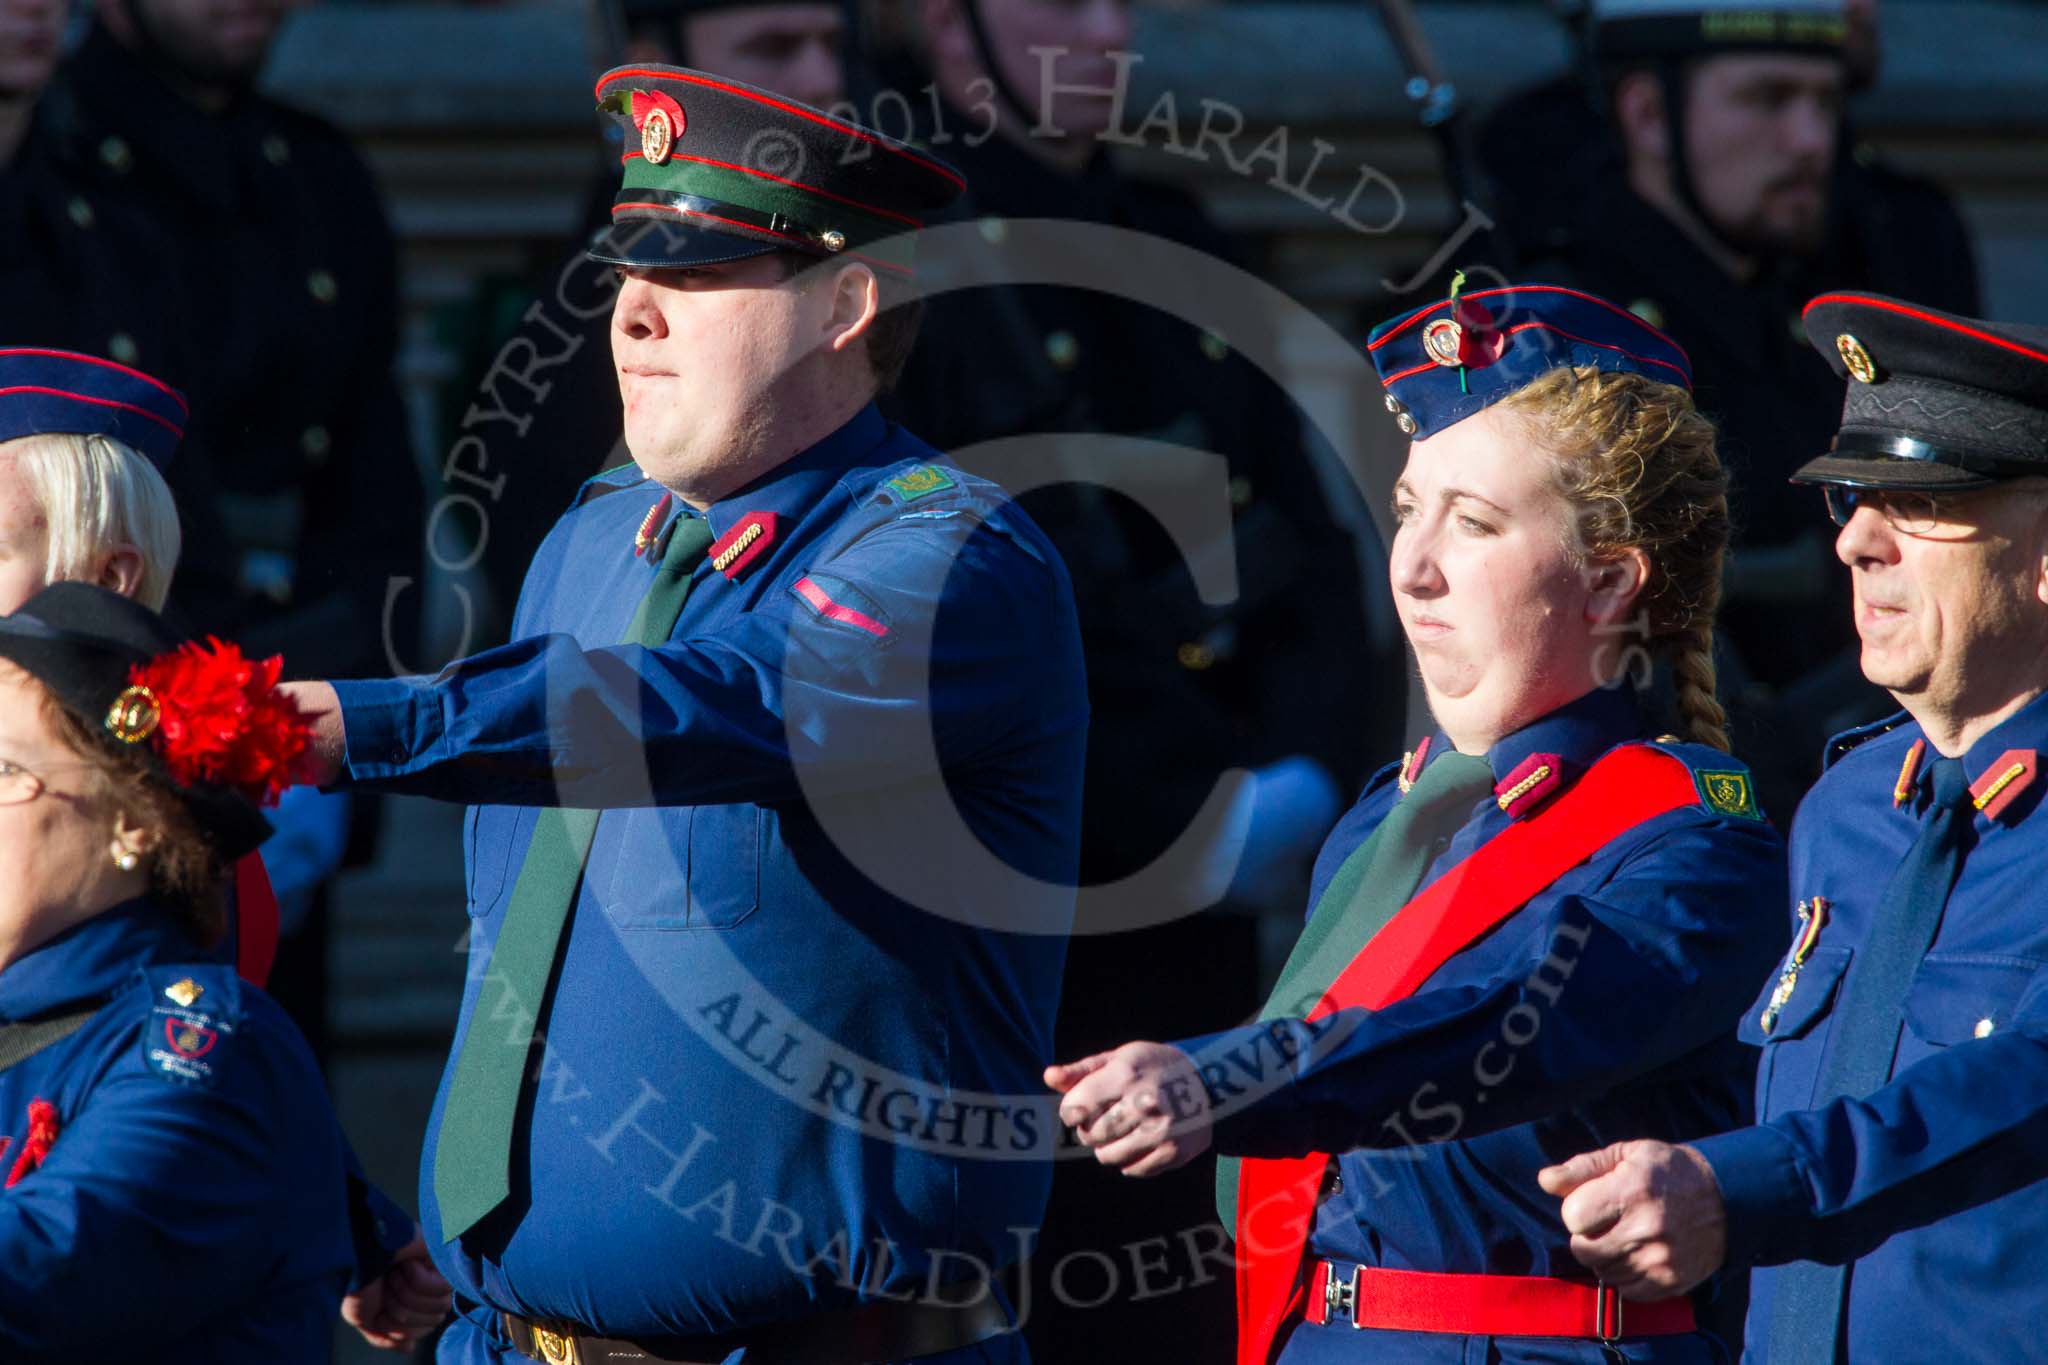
(1717, 199)
(575, 428)
(1281, 681)
(300, 495)
(63, 243)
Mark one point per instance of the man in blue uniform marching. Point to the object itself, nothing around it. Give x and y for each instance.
(1538, 924)
(1891, 1188)
(775, 803)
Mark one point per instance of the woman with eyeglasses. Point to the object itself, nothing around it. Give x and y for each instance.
(82, 501)
(171, 1172)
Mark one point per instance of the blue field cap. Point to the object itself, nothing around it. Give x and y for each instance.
(1446, 361)
(44, 391)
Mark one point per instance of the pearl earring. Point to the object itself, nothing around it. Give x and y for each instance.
(125, 859)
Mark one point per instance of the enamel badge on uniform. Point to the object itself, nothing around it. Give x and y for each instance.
(735, 551)
(2010, 774)
(1727, 793)
(643, 539)
(1524, 788)
(185, 992)
(926, 479)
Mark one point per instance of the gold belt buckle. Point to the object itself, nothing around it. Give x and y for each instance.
(555, 1348)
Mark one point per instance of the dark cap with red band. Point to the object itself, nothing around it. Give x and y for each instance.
(1451, 359)
(1935, 400)
(719, 171)
(45, 392)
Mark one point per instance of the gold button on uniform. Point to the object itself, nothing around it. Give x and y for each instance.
(1063, 350)
(1214, 346)
(122, 347)
(1240, 491)
(322, 286)
(1984, 1027)
(114, 154)
(1649, 310)
(1194, 657)
(276, 150)
(80, 211)
(316, 443)
(1394, 405)
(1406, 423)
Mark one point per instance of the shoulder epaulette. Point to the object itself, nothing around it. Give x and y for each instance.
(1380, 779)
(613, 480)
(1839, 747)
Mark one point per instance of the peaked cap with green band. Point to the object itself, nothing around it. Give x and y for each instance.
(718, 171)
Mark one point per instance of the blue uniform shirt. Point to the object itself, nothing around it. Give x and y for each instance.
(191, 1207)
(770, 1084)
(1932, 1185)
(1599, 1011)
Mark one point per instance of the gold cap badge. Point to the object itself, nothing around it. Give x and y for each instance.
(1856, 358)
(185, 992)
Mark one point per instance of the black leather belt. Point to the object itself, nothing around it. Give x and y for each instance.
(873, 1334)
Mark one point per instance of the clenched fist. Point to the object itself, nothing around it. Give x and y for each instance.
(1646, 1217)
(1141, 1108)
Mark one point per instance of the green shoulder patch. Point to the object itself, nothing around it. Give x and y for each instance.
(916, 483)
(1726, 792)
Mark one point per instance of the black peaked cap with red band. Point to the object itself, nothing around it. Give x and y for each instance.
(1935, 400)
(718, 171)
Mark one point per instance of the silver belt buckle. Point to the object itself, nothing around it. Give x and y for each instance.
(1607, 1314)
(1340, 1296)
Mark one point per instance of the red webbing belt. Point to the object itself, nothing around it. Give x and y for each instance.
(1276, 1198)
(1492, 1305)
(255, 920)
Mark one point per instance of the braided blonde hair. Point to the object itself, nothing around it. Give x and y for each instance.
(1636, 461)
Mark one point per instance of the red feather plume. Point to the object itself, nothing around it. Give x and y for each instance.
(222, 720)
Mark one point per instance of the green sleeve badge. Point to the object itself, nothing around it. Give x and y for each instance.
(925, 479)
(1727, 793)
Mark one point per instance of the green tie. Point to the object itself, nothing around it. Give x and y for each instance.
(1371, 886)
(473, 1158)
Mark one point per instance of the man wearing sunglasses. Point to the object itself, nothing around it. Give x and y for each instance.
(1891, 1193)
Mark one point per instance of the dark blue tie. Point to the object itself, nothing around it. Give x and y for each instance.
(1864, 1036)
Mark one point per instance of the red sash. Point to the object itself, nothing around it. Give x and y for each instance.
(255, 920)
(1276, 1198)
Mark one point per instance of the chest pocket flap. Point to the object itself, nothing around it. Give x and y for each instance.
(1813, 995)
(1959, 996)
